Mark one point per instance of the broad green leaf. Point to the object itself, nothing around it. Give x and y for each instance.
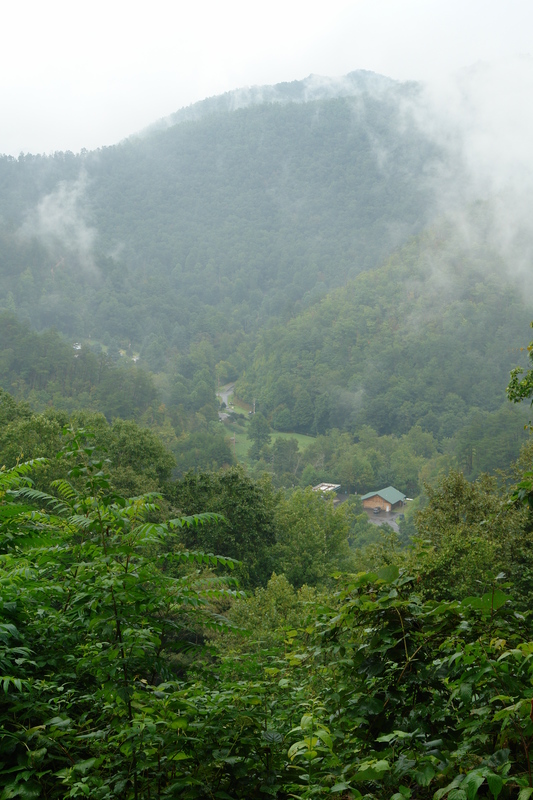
(180, 723)
(471, 784)
(495, 783)
(491, 601)
(179, 757)
(499, 599)
(389, 573)
(25, 791)
(371, 770)
(296, 748)
(424, 776)
(473, 602)
(465, 692)
(84, 766)
(325, 737)
(387, 737)
(306, 723)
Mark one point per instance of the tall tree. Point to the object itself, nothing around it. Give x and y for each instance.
(247, 530)
(259, 434)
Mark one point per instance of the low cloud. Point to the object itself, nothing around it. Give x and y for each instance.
(483, 121)
(59, 222)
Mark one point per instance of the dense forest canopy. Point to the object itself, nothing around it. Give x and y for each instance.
(240, 214)
(421, 340)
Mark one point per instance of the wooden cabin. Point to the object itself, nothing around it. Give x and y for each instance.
(389, 499)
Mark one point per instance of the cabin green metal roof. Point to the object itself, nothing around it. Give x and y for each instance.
(390, 495)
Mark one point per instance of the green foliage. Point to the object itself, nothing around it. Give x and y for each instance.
(365, 461)
(520, 389)
(216, 225)
(203, 449)
(312, 538)
(422, 695)
(362, 531)
(383, 688)
(135, 456)
(246, 533)
(469, 532)
(402, 347)
(285, 460)
(259, 433)
(489, 441)
(264, 620)
(94, 608)
(46, 370)
(388, 694)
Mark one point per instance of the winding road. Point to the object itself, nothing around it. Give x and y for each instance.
(225, 393)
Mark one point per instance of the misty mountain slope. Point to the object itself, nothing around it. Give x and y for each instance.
(250, 188)
(216, 225)
(26, 180)
(314, 87)
(423, 340)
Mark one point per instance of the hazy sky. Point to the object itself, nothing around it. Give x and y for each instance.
(79, 75)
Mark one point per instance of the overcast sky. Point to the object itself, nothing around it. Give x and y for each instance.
(77, 75)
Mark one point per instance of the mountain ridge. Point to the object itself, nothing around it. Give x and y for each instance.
(313, 87)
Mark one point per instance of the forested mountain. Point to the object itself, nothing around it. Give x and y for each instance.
(216, 225)
(420, 341)
(45, 369)
(289, 237)
(314, 87)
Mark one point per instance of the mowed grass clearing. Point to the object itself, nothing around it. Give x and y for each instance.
(303, 440)
(243, 444)
(239, 405)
